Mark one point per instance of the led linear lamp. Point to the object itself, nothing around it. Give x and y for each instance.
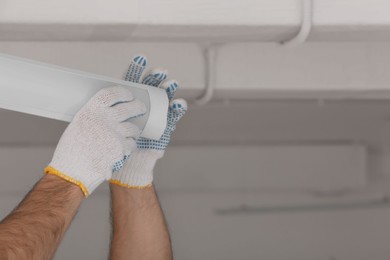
(55, 92)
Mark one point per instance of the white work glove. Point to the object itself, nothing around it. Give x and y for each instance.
(138, 169)
(98, 139)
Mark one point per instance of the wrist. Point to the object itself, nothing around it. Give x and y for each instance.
(133, 197)
(49, 181)
(138, 170)
(87, 182)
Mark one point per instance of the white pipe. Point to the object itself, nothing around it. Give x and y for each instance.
(209, 52)
(306, 25)
(364, 204)
(209, 55)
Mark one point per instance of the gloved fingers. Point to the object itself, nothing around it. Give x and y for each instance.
(118, 165)
(129, 145)
(113, 95)
(128, 130)
(178, 108)
(155, 77)
(124, 111)
(136, 68)
(170, 87)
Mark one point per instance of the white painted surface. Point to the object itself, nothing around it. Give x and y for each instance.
(277, 167)
(316, 168)
(198, 233)
(46, 11)
(350, 69)
(192, 188)
(200, 20)
(249, 71)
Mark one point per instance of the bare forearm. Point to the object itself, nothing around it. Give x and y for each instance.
(35, 228)
(139, 228)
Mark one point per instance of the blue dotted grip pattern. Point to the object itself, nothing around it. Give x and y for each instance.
(175, 111)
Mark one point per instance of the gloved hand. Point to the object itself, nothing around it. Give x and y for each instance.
(138, 169)
(98, 139)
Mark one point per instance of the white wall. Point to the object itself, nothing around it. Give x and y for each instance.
(197, 231)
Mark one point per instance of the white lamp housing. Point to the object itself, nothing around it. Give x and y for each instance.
(55, 92)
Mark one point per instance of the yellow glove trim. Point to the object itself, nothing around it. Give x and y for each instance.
(53, 171)
(129, 186)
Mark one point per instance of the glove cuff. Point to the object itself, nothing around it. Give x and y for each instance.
(138, 170)
(87, 185)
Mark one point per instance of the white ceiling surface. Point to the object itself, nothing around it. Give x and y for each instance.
(264, 20)
(315, 70)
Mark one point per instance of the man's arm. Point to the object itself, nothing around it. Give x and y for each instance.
(139, 228)
(93, 145)
(36, 226)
